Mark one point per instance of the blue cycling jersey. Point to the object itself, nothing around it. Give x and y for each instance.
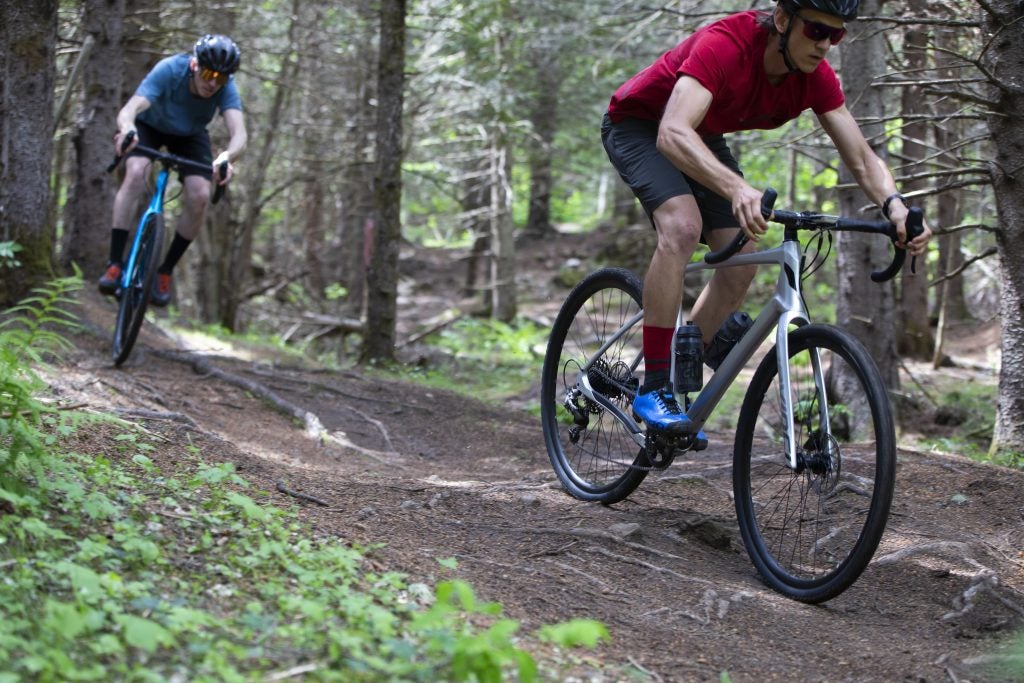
(173, 108)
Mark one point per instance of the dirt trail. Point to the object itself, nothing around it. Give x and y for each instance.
(435, 475)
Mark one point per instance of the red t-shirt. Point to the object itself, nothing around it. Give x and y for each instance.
(727, 57)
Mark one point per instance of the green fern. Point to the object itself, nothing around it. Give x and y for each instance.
(29, 334)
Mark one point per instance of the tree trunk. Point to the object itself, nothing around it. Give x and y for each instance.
(142, 28)
(87, 223)
(27, 73)
(864, 308)
(914, 337)
(544, 118)
(382, 290)
(349, 247)
(1004, 61)
(503, 245)
(255, 175)
(625, 208)
(314, 231)
(475, 208)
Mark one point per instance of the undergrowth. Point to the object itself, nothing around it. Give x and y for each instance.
(487, 360)
(112, 568)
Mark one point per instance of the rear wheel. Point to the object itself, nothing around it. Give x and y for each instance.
(592, 451)
(812, 531)
(135, 297)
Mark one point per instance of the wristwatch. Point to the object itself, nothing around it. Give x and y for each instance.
(888, 201)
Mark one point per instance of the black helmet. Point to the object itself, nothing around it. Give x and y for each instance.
(844, 9)
(218, 53)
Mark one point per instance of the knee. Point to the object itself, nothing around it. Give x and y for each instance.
(134, 180)
(197, 194)
(678, 237)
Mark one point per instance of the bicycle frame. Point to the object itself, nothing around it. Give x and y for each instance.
(783, 309)
(156, 206)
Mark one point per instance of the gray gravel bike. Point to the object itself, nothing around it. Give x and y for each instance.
(814, 454)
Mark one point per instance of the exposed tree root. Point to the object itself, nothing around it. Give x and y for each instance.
(313, 427)
(923, 549)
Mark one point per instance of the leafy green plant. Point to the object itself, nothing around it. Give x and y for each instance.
(485, 359)
(970, 409)
(28, 335)
(130, 573)
(114, 569)
(9, 254)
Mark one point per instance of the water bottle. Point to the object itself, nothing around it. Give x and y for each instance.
(689, 359)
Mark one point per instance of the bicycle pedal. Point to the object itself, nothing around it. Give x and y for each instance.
(660, 450)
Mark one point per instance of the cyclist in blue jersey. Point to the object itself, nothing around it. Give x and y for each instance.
(171, 108)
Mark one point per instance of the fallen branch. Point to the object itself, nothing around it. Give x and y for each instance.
(292, 672)
(648, 565)
(301, 496)
(156, 415)
(431, 329)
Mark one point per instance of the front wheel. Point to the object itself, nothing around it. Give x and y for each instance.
(812, 530)
(135, 297)
(593, 451)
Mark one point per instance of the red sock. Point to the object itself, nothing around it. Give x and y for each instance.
(657, 345)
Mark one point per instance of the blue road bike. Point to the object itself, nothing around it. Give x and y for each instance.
(139, 273)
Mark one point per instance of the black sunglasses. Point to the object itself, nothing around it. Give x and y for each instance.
(817, 31)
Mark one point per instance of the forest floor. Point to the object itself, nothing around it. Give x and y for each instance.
(431, 474)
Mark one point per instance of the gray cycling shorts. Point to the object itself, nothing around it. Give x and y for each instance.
(632, 146)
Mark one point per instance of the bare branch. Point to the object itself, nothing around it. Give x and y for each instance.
(920, 21)
(991, 251)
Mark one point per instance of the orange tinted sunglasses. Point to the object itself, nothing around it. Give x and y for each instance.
(211, 75)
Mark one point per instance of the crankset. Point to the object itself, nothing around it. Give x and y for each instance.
(661, 448)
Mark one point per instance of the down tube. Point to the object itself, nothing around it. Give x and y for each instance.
(706, 401)
(780, 306)
(156, 205)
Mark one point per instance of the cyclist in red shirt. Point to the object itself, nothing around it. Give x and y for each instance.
(664, 134)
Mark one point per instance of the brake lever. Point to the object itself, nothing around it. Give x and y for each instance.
(915, 226)
(124, 147)
(915, 223)
(767, 202)
(218, 191)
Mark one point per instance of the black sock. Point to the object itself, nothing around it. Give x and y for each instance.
(118, 238)
(178, 246)
(656, 379)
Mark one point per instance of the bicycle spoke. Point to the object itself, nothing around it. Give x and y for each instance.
(812, 529)
(593, 453)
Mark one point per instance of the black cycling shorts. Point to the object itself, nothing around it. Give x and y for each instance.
(632, 146)
(195, 147)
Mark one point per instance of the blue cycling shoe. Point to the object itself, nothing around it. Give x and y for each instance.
(660, 412)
